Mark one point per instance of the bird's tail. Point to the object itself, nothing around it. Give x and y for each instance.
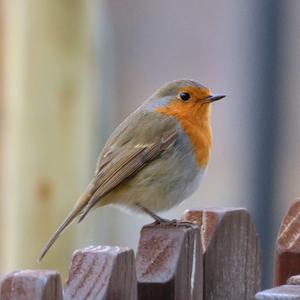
(81, 203)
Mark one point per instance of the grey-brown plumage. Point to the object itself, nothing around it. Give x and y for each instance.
(148, 162)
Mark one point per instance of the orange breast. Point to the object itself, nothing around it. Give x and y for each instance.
(195, 121)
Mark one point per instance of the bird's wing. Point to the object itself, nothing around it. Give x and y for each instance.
(139, 139)
(116, 166)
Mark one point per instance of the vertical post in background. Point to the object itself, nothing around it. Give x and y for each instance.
(265, 126)
(49, 77)
(97, 228)
(287, 185)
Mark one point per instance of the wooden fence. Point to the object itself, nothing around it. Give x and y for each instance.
(212, 254)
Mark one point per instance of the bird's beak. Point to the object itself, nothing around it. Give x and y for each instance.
(214, 98)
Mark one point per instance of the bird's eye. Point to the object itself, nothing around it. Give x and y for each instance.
(184, 96)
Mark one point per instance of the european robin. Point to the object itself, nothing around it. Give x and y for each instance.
(155, 158)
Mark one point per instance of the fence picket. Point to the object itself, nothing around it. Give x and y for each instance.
(288, 245)
(31, 284)
(231, 253)
(102, 272)
(169, 263)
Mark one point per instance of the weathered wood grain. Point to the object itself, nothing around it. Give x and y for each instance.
(283, 292)
(288, 245)
(102, 272)
(231, 253)
(31, 285)
(169, 263)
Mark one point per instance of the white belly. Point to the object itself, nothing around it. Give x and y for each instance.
(160, 195)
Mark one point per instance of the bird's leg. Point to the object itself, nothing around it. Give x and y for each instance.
(157, 218)
(161, 221)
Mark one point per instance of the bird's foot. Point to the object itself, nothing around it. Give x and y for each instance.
(161, 221)
(173, 222)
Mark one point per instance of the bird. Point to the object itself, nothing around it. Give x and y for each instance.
(155, 158)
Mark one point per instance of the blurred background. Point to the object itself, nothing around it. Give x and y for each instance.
(70, 71)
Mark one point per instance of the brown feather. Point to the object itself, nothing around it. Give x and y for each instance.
(127, 166)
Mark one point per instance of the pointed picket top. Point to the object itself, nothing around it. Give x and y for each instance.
(288, 245)
(231, 252)
(31, 284)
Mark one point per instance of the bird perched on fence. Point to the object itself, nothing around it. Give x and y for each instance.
(155, 158)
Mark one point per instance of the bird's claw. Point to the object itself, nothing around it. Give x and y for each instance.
(173, 222)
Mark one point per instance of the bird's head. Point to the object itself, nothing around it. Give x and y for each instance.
(184, 97)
